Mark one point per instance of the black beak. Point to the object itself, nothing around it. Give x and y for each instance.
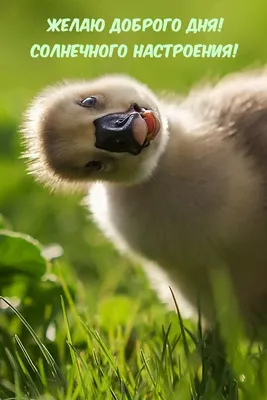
(114, 133)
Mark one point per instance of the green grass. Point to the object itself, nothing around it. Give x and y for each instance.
(129, 349)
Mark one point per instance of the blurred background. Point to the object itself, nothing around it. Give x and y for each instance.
(54, 218)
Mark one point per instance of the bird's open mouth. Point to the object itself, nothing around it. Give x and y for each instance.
(151, 120)
(126, 132)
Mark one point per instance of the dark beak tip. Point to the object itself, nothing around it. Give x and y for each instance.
(114, 133)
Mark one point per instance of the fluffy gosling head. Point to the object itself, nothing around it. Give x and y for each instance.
(109, 129)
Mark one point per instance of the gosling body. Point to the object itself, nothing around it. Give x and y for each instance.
(192, 202)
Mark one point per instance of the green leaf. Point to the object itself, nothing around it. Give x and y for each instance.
(20, 253)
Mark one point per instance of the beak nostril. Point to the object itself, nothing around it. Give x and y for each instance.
(120, 121)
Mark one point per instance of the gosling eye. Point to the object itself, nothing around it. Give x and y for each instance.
(88, 102)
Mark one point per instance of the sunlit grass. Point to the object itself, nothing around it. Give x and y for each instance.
(167, 359)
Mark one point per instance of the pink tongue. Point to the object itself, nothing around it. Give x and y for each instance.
(139, 130)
